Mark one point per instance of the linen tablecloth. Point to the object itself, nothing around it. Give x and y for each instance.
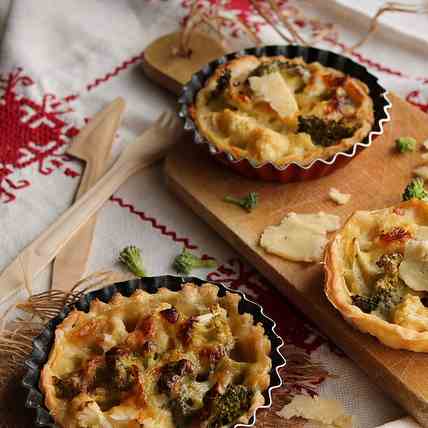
(60, 62)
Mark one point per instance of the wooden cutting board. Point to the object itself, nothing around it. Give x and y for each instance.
(375, 178)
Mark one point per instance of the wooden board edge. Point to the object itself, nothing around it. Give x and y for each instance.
(409, 399)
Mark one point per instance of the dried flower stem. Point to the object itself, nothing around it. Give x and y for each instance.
(269, 20)
(389, 7)
(212, 19)
(283, 17)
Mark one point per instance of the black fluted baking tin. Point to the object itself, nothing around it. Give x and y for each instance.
(44, 341)
(293, 171)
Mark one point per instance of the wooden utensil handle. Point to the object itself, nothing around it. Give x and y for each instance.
(49, 243)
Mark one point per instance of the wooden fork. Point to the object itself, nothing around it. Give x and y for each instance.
(148, 148)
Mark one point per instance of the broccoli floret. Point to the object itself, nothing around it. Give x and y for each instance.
(222, 83)
(248, 202)
(131, 257)
(189, 401)
(69, 386)
(389, 290)
(172, 375)
(405, 144)
(366, 303)
(415, 189)
(290, 68)
(267, 68)
(324, 132)
(124, 367)
(226, 408)
(185, 262)
(390, 262)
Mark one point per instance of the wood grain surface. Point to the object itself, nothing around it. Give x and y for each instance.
(375, 178)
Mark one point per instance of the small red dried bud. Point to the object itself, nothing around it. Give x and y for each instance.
(171, 315)
(396, 234)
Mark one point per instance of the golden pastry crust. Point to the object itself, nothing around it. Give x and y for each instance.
(236, 120)
(129, 362)
(406, 326)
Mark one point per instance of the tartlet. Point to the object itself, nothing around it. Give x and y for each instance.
(281, 110)
(377, 274)
(298, 166)
(164, 359)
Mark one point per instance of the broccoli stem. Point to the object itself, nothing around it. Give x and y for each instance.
(248, 202)
(131, 257)
(185, 262)
(405, 144)
(415, 189)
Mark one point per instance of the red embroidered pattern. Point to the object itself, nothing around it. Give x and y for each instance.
(155, 224)
(31, 133)
(415, 98)
(115, 72)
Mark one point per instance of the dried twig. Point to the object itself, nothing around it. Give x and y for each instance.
(389, 7)
(284, 19)
(211, 18)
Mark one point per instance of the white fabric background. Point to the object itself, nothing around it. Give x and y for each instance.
(64, 46)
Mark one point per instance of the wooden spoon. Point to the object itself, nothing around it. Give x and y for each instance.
(92, 145)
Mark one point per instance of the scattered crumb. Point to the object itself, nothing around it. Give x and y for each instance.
(339, 197)
(425, 144)
(330, 413)
(300, 237)
(421, 171)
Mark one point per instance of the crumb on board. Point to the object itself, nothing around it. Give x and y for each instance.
(339, 197)
(421, 171)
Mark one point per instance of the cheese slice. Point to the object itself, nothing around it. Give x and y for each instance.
(273, 89)
(330, 413)
(422, 172)
(339, 197)
(318, 222)
(300, 237)
(413, 269)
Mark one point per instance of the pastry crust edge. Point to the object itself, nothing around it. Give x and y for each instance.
(390, 334)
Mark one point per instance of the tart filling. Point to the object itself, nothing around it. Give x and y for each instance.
(169, 359)
(377, 274)
(280, 110)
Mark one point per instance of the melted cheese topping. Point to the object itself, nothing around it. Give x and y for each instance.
(300, 237)
(414, 267)
(385, 257)
(252, 107)
(131, 362)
